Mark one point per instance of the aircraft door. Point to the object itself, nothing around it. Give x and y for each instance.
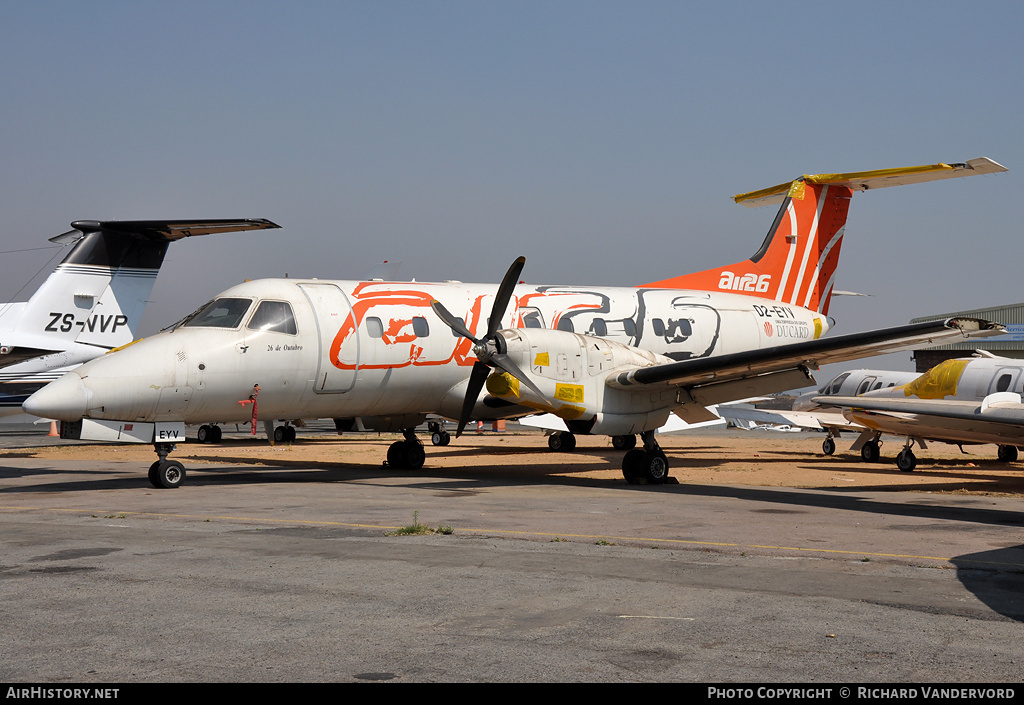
(332, 310)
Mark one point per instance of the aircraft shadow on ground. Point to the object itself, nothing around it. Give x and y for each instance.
(995, 579)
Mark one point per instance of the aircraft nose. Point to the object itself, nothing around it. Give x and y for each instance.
(65, 399)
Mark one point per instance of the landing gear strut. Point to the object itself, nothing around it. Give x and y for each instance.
(164, 473)
(906, 461)
(871, 451)
(407, 454)
(438, 436)
(828, 446)
(649, 464)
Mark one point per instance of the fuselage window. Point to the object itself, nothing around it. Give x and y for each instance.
(1003, 383)
(532, 320)
(273, 316)
(420, 327)
(374, 328)
(658, 325)
(599, 328)
(220, 313)
(566, 325)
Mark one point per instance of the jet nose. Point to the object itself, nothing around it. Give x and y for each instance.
(805, 402)
(65, 399)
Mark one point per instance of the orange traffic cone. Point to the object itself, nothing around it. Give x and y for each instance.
(53, 429)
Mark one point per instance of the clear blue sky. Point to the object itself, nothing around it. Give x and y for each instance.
(600, 139)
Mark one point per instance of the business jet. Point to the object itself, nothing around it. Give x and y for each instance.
(92, 302)
(966, 400)
(609, 361)
(807, 413)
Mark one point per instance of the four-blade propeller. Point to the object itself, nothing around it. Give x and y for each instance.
(490, 350)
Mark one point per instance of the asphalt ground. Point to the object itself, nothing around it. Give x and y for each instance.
(287, 571)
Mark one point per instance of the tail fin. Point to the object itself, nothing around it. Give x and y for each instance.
(98, 292)
(797, 261)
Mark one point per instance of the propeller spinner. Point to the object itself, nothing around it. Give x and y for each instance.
(490, 350)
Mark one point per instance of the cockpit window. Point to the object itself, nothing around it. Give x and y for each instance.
(273, 316)
(219, 313)
(833, 386)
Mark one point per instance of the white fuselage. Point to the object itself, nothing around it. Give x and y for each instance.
(987, 389)
(376, 349)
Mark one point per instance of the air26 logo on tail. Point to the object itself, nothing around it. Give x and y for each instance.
(744, 282)
(64, 322)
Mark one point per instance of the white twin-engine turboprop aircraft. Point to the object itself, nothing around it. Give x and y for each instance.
(610, 361)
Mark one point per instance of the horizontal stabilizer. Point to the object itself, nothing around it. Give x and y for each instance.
(166, 230)
(866, 180)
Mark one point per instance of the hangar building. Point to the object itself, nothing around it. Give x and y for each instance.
(1009, 345)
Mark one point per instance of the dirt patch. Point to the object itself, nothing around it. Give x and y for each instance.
(762, 459)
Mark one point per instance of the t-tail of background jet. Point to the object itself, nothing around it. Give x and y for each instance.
(797, 262)
(96, 295)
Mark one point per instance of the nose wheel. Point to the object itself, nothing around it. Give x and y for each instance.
(166, 474)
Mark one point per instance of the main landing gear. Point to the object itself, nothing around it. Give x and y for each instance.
(407, 454)
(209, 433)
(438, 436)
(164, 473)
(828, 446)
(649, 464)
(562, 442)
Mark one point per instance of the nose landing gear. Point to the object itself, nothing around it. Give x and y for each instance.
(164, 473)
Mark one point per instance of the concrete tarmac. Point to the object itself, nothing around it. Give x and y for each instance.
(290, 574)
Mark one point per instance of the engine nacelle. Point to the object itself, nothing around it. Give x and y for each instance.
(571, 371)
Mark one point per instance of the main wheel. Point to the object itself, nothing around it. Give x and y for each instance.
(413, 455)
(280, 434)
(906, 461)
(632, 465)
(204, 434)
(440, 438)
(153, 478)
(215, 434)
(1008, 454)
(624, 442)
(870, 452)
(395, 455)
(562, 441)
(828, 446)
(169, 474)
(655, 467)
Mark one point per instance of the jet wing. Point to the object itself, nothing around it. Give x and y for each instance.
(987, 411)
(816, 420)
(713, 380)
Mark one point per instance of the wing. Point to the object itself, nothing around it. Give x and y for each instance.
(987, 411)
(999, 418)
(707, 381)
